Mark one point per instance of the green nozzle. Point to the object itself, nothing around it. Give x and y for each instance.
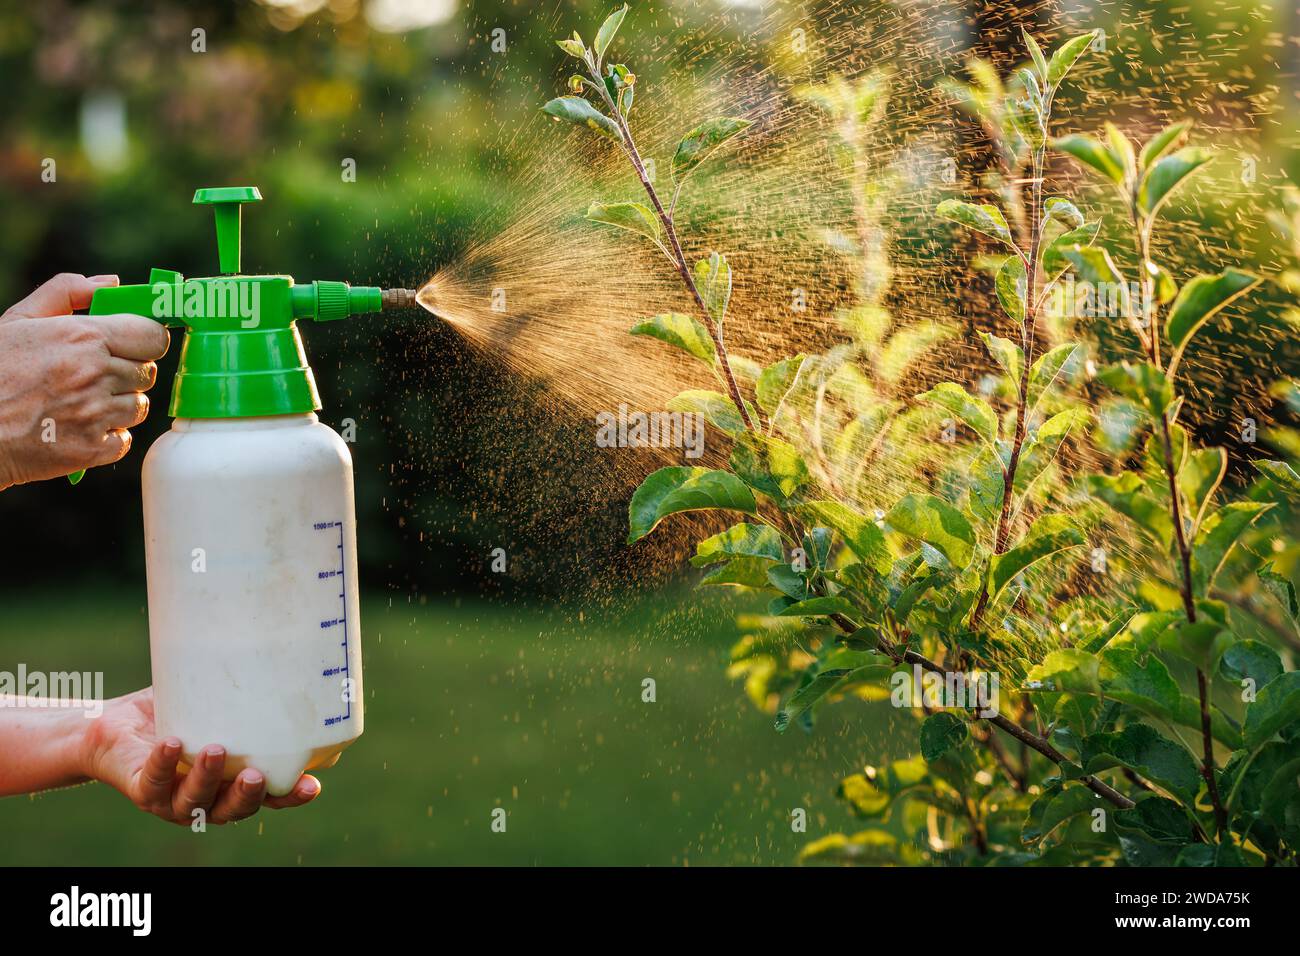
(242, 355)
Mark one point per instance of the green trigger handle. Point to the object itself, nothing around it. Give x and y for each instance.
(242, 355)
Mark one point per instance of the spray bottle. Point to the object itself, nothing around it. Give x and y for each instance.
(249, 521)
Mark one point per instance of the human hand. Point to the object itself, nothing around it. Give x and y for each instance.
(71, 385)
(122, 750)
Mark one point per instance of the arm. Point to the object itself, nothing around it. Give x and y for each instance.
(40, 748)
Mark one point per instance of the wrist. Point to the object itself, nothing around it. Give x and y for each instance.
(41, 748)
(71, 751)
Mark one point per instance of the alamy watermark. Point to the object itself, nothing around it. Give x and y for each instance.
(54, 690)
(977, 690)
(213, 298)
(631, 429)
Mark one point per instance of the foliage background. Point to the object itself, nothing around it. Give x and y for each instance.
(283, 94)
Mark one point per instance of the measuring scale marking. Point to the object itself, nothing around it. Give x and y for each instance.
(341, 620)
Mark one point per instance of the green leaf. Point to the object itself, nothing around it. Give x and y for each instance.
(1007, 354)
(1162, 141)
(1282, 588)
(1064, 212)
(771, 466)
(789, 582)
(937, 523)
(870, 794)
(1011, 286)
(819, 607)
(984, 218)
(1036, 53)
(607, 30)
(632, 216)
(1144, 751)
(1251, 659)
(678, 488)
(1200, 299)
(576, 110)
(741, 571)
(720, 411)
(1276, 706)
(907, 346)
(1219, 532)
(975, 412)
(1053, 257)
(868, 848)
(1162, 178)
(1091, 153)
(1026, 114)
(1094, 265)
(1163, 283)
(683, 331)
(1281, 474)
(574, 47)
(1066, 55)
(1161, 820)
(1142, 383)
(1050, 534)
(1066, 669)
(1054, 808)
(1199, 477)
(1121, 148)
(696, 145)
(1201, 643)
(842, 668)
(743, 539)
(776, 381)
(1146, 687)
(860, 533)
(1045, 370)
(1126, 493)
(942, 733)
(713, 282)
(1281, 801)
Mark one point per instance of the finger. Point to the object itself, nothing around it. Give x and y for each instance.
(241, 799)
(126, 376)
(114, 446)
(132, 336)
(200, 786)
(62, 295)
(306, 790)
(126, 411)
(153, 789)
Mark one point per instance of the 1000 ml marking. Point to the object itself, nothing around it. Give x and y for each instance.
(341, 621)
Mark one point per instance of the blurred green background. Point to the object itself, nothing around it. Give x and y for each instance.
(520, 690)
(478, 707)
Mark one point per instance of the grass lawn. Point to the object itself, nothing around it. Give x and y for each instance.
(476, 706)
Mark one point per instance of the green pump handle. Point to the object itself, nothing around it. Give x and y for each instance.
(242, 354)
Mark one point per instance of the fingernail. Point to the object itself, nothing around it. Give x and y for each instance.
(252, 780)
(103, 280)
(309, 787)
(171, 746)
(213, 753)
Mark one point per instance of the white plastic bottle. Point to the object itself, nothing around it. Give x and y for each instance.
(254, 627)
(250, 527)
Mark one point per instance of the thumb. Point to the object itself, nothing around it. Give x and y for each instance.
(62, 295)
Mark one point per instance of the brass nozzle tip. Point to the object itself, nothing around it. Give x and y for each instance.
(397, 298)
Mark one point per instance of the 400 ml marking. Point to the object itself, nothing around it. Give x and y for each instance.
(329, 574)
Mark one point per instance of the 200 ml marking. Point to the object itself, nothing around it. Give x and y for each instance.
(341, 621)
